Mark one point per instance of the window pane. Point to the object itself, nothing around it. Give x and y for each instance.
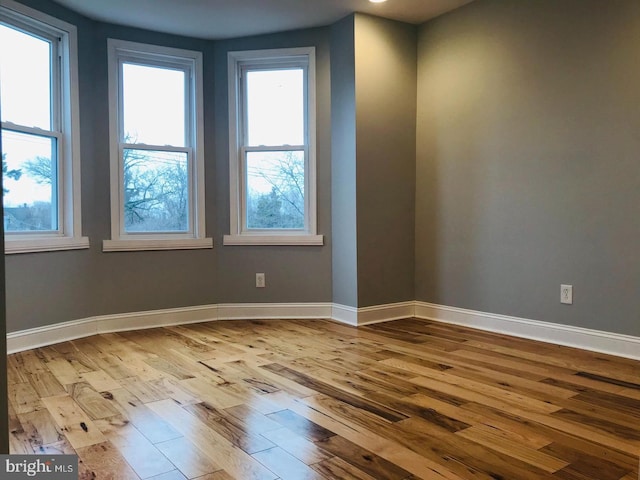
(156, 191)
(275, 107)
(275, 189)
(154, 105)
(29, 186)
(25, 79)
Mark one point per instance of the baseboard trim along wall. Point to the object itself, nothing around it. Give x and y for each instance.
(385, 313)
(345, 314)
(584, 338)
(120, 322)
(594, 340)
(266, 311)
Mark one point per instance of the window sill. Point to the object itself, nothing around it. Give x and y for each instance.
(44, 244)
(273, 240)
(130, 245)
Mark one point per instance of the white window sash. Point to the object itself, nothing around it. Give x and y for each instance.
(238, 64)
(190, 62)
(65, 129)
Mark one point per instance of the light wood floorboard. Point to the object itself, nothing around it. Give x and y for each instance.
(314, 399)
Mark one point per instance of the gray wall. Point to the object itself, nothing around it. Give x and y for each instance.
(293, 273)
(373, 95)
(385, 74)
(48, 288)
(343, 163)
(527, 160)
(524, 169)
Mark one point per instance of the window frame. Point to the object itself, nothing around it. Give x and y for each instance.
(189, 61)
(239, 62)
(65, 128)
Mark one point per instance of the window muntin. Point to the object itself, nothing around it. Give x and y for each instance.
(157, 163)
(30, 130)
(154, 177)
(273, 150)
(272, 147)
(40, 131)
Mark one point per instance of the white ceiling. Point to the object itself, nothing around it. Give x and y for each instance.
(216, 19)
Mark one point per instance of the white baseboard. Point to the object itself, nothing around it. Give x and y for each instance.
(385, 313)
(43, 336)
(583, 338)
(357, 317)
(122, 322)
(65, 331)
(345, 314)
(586, 339)
(265, 311)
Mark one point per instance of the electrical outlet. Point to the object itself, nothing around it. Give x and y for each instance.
(566, 294)
(260, 280)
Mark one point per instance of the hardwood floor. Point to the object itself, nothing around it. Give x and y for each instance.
(315, 399)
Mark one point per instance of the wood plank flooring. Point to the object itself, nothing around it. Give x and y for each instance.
(306, 399)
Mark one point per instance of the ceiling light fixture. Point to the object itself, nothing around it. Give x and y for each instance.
(377, 1)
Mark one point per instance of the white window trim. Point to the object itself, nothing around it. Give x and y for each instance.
(69, 236)
(238, 235)
(121, 241)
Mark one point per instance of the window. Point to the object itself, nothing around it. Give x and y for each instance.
(157, 159)
(272, 147)
(40, 134)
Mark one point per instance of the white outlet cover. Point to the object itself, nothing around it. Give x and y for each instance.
(566, 294)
